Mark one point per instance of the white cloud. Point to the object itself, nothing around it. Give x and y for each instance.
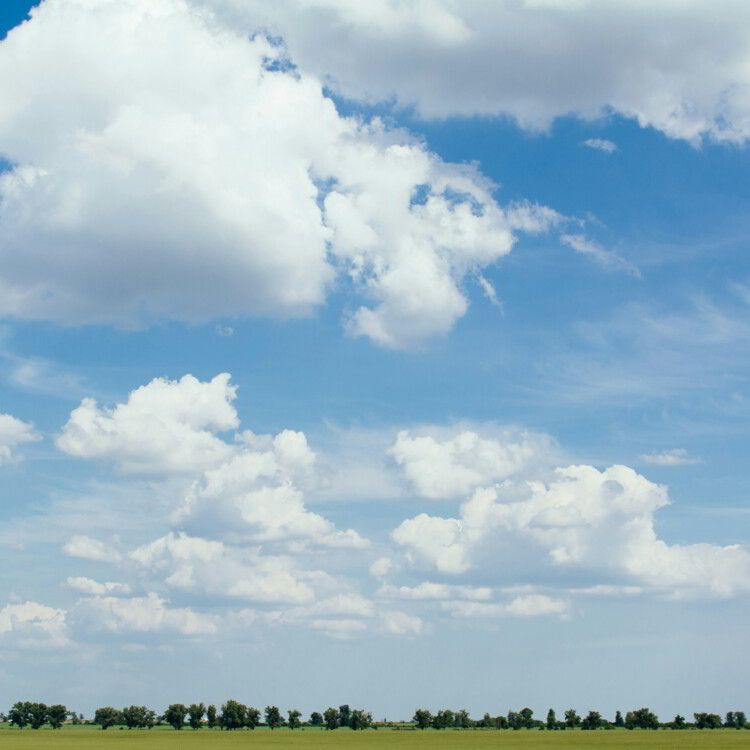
(585, 520)
(428, 590)
(94, 588)
(214, 569)
(165, 169)
(253, 497)
(532, 605)
(674, 457)
(91, 549)
(14, 432)
(164, 427)
(142, 614)
(601, 144)
(401, 623)
(661, 62)
(441, 464)
(605, 258)
(32, 625)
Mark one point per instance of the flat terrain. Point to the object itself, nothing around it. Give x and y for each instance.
(114, 739)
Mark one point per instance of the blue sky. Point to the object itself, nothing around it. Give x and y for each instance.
(396, 338)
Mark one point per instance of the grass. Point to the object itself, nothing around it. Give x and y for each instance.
(114, 739)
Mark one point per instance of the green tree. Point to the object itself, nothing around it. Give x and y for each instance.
(707, 721)
(37, 715)
(593, 720)
(20, 714)
(316, 719)
(107, 717)
(294, 720)
(644, 719)
(678, 722)
(345, 713)
(233, 715)
(331, 718)
(175, 715)
(196, 712)
(211, 717)
(360, 719)
(56, 715)
(462, 719)
(551, 719)
(274, 718)
(443, 719)
(252, 717)
(422, 718)
(619, 721)
(526, 716)
(572, 719)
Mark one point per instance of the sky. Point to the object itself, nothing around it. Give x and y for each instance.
(390, 353)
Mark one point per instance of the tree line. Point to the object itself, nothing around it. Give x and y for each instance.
(234, 715)
(642, 718)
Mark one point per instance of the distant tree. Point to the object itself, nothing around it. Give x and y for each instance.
(360, 719)
(345, 714)
(274, 718)
(678, 722)
(642, 719)
(20, 714)
(443, 719)
(107, 717)
(551, 719)
(211, 717)
(707, 721)
(740, 720)
(572, 719)
(137, 716)
(294, 720)
(526, 716)
(316, 719)
(56, 715)
(37, 715)
(423, 717)
(501, 722)
(252, 717)
(196, 712)
(593, 720)
(331, 718)
(233, 715)
(175, 715)
(619, 721)
(514, 720)
(462, 719)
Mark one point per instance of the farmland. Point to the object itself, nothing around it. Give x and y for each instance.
(384, 739)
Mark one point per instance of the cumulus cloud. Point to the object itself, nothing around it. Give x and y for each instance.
(662, 63)
(600, 523)
(441, 464)
(164, 427)
(601, 144)
(91, 549)
(429, 590)
(211, 568)
(170, 164)
(142, 614)
(531, 605)
(14, 432)
(32, 625)
(674, 457)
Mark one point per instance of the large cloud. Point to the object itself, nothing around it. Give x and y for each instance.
(587, 522)
(167, 166)
(32, 625)
(681, 67)
(165, 427)
(13, 432)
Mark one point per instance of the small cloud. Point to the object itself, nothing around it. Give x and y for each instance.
(490, 292)
(606, 258)
(674, 457)
(600, 144)
(224, 330)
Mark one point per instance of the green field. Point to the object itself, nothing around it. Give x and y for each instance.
(93, 739)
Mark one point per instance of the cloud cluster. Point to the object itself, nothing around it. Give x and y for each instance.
(32, 625)
(668, 65)
(166, 165)
(14, 432)
(585, 522)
